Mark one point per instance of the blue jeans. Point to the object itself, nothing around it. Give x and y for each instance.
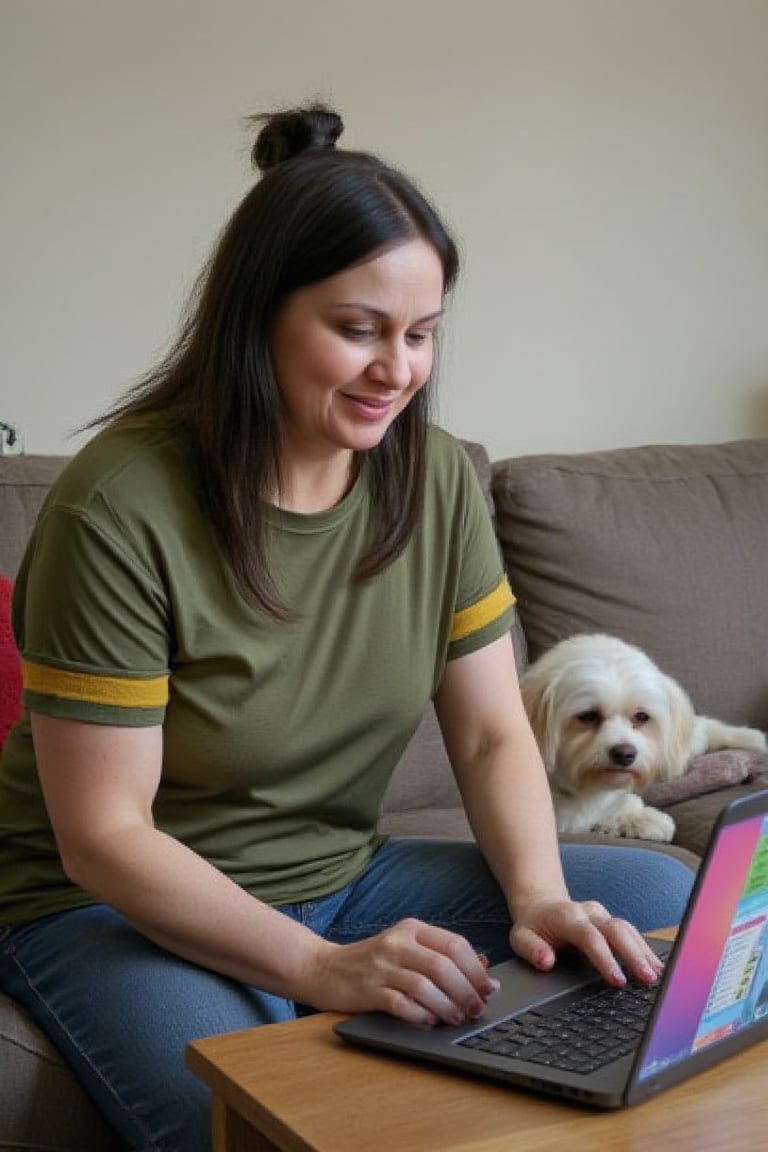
(121, 1010)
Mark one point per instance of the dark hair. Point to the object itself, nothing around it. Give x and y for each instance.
(314, 212)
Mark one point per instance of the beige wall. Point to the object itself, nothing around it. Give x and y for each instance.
(604, 163)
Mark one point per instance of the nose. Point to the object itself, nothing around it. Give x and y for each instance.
(392, 366)
(623, 755)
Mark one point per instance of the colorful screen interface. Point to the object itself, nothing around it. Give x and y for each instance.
(720, 980)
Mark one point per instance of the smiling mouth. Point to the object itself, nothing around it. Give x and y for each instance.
(369, 406)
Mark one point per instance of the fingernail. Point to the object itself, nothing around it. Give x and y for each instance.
(492, 986)
(618, 976)
(475, 1009)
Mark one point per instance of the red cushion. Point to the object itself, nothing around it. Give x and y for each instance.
(10, 665)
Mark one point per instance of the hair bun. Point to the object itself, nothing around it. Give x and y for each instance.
(287, 134)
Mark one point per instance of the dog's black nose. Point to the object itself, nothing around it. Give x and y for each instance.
(622, 755)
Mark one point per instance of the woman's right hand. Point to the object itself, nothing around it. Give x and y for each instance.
(416, 971)
(100, 783)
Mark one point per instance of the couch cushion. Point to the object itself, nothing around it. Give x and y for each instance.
(695, 816)
(42, 1107)
(24, 483)
(665, 546)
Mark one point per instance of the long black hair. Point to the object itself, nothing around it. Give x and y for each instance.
(315, 211)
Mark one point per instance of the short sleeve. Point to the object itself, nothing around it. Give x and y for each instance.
(485, 607)
(92, 624)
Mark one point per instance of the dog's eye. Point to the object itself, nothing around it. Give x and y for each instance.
(591, 717)
(640, 718)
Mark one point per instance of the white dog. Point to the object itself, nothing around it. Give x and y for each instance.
(609, 723)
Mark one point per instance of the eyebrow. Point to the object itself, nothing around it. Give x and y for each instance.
(373, 311)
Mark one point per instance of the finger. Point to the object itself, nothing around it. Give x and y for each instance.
(441, 972)
(591, 939)
(426, 992)
(581, 926)
(626, 942)
(451, 975)
(398, 1004)
(531, 946)
(634, 951)
(606, 939)
(471, 966)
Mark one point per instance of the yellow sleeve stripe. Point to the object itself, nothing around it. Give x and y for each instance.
(472, 619)
(115, 691)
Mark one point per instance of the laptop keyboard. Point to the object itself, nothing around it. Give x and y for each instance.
(592, 1030)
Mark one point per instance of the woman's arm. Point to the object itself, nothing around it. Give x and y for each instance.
(99, 784)
(506, 795)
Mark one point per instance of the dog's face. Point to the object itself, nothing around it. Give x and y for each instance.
(605, 717)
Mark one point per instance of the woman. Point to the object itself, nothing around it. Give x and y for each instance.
(235, 605)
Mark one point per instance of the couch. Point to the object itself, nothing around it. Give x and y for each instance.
(666, 546)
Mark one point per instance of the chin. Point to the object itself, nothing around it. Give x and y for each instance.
(609, 723)
(361, 435)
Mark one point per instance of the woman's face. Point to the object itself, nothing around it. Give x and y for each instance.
(350, 352)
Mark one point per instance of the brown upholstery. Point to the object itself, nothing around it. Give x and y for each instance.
(665, 546)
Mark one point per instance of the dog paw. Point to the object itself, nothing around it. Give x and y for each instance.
(752, 739)
(647, 824)
(719, 737)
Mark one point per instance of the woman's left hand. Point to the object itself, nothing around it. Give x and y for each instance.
(542, 927)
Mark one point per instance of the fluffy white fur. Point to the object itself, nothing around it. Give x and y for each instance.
(609, 723)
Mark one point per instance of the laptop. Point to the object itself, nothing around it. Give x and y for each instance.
(711, 1001)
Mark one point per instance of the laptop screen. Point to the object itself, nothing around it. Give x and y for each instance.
(719, 982)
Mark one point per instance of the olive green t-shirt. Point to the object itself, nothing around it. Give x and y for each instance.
(279, 738)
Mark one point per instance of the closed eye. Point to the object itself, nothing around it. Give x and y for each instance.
(592, 717)
(360, 333)
(416, 339)
(356, 332)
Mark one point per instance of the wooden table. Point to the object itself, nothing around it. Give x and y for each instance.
(297, 1087)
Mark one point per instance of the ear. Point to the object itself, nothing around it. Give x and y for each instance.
(677, 734)
(538, 690)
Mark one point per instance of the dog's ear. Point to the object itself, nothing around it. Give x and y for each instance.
(538, 689)
(677, 734)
